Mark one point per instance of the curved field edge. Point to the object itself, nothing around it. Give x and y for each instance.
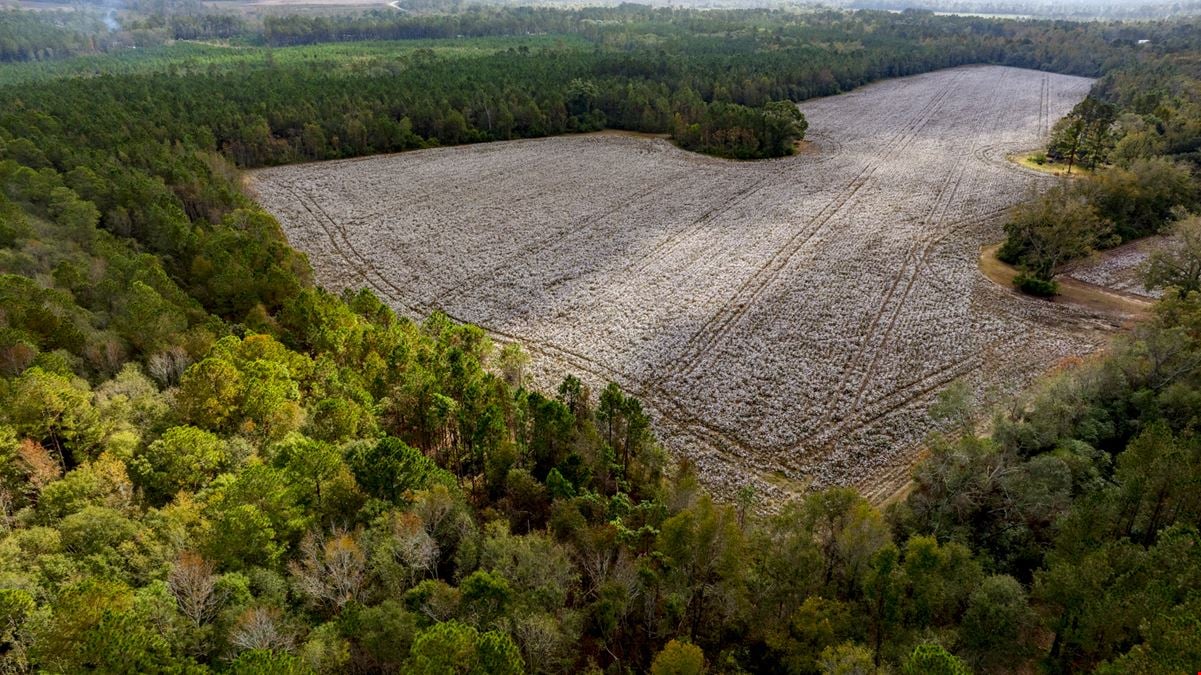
(787, 321)
(1124, 306)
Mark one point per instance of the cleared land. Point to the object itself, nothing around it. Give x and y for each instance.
(1121, 269)
(787, 322)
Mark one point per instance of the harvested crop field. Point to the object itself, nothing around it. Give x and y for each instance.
(1121, 269)
(786, 322)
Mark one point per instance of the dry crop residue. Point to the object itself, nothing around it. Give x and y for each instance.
(1121, 269)
(787, 322)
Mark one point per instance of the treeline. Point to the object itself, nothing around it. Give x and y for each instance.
(709, 90)
(1089, 49)
(199, 25)
(294, 29)
(98, 28)
(707, 80)
(37, 36)
(1140, 134)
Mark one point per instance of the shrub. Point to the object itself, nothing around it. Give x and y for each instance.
(1032, 285)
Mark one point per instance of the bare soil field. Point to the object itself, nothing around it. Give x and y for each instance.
(1121, 269)
(787, 322)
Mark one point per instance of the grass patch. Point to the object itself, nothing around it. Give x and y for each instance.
(1048, 166)
(1070, 291)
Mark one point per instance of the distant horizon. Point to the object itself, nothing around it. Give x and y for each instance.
(1001, 9)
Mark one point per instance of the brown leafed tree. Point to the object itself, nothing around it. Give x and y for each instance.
(331, 571)
(194, 586)
(39, 466)
(260, 628)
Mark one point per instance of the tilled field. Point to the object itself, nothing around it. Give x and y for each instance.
(1121, 269)
(787, 322)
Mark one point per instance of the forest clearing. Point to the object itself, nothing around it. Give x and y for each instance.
(1119, 269)
(786, 322)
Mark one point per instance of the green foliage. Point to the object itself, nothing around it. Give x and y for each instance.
(679, 658)
(251, 386)
(731, 130)
(185, 458)
(452, 647)
(1032, 285)
(932, 659)
(701, 548)
(1178, 266)
(1085, 135)
(303, 482)
(388, 468)
(1060, 225)
(1169, 644)
(539, 569)
(103, 625)
(383, 634)
(1143, 199)
(938, 579)
(16, 606)
(996, 626)
(267, 662)
(57, 411)
(846, 659)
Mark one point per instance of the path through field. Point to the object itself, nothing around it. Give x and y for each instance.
(787, 322)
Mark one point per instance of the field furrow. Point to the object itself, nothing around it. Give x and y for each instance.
(786, 322)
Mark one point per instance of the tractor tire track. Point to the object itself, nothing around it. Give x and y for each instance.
(916, 257)
(657, 400)
(1044, 110)
(920, 119)
(906, 270)
(896, 399)
(720, 324)
(520, 259)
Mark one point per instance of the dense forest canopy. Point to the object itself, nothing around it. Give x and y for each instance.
(706, 78)
(207, 464)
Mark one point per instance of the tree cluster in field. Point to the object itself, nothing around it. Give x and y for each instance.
(1084, 137)
(208, 465)
(732, 130)
(1140, 136)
